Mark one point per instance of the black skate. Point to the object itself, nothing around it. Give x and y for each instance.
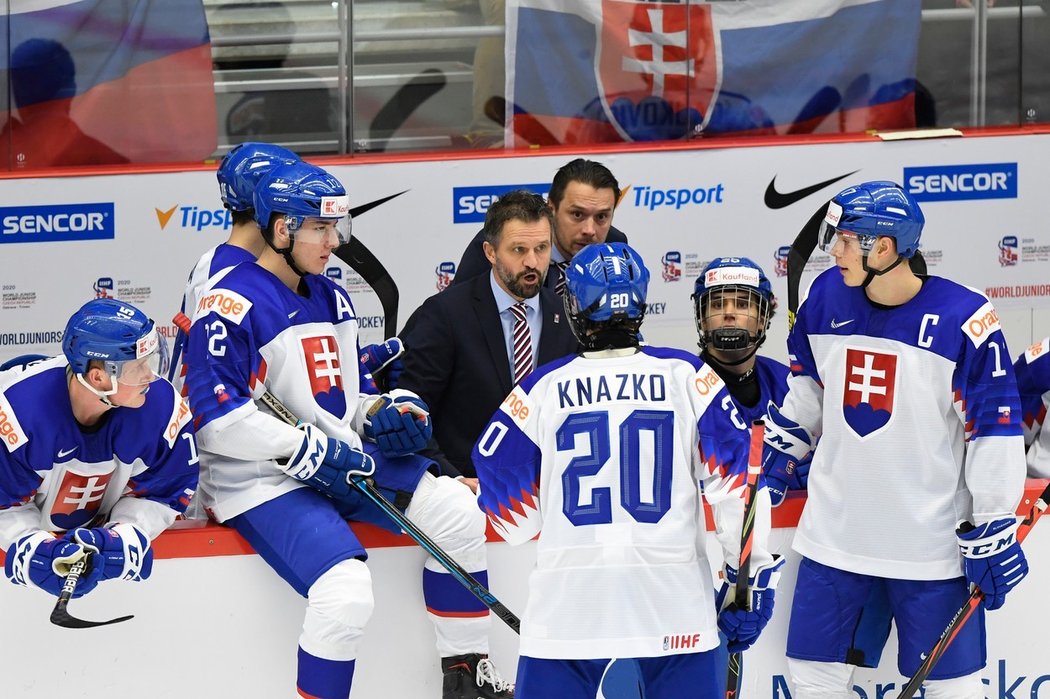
(473, 676)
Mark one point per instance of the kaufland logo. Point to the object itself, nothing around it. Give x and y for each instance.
(194, 218)
(470, 204)
(955, 182)
(56, 223)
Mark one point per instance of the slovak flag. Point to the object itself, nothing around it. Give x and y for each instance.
(586, 71)
(97, 82)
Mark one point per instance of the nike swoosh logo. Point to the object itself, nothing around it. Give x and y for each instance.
(67, 452)
(835, 325)
(779, 200)
(358, 210)
(293, 314)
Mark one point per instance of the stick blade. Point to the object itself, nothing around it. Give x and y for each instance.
(61, 617)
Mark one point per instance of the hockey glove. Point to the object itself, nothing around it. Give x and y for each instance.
(43, 561)
(122, 552)
(786, 445)
(992, 558)
(743, 626)
(328, 464)
(385, 357)
(399, 423)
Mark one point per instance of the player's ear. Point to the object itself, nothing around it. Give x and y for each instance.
(280, 232)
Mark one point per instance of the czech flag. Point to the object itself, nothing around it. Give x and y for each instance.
(97, 82)
(586, 71)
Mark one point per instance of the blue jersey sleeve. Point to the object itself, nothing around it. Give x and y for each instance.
(223, 365)
(1032, 370)
(172, 466)
(508, 467)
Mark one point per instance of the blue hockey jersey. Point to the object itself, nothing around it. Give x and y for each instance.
(1033, 383)
(137, 465)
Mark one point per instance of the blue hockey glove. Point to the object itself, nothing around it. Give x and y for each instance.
(786, 445)
(327, 464)
(43, 561)
(384, 357)
(122, 552)
(992, 558)
(742, 627)
(399, 423)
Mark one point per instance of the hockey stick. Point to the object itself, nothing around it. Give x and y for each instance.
(369, 490)
(968, 609)
(360, 259)
(747, 537)
(60, 616)
(801, 250)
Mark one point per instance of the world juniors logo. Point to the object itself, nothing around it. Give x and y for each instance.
(1008, 256)
(325, 372)
(669, 71)
(79, 499)
(870, 391)
(780, 260)
(672, 262)
(445, 273)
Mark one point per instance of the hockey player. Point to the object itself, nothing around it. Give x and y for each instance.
(1033, 383)
(907, 380)
(98, 456)
(280, 325)
(238, 173)
(601, 455)
(733, 304)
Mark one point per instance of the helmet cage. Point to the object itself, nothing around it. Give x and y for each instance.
(749, 308)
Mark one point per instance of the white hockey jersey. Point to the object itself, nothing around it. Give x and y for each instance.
(137, 465)
(1033, 383)
(602, 456)
(251, 333)
(917, 412)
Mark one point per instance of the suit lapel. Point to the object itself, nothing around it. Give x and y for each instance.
(552, 337)
(492, 329)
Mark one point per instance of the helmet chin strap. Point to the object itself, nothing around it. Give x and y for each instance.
(103, 396)
(872, 273)
(286, 253)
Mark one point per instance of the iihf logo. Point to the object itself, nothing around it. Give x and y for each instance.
(446, 272)
(781, 259)
(672, 261)
(1008, 256)
(334, 273)
(103, 288)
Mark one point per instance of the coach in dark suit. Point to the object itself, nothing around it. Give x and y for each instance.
(583, 198)
(470, 344)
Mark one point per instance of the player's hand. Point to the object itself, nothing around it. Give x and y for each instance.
(42, 560)
(328, 464)
(121, 552)
(399, 423)
(742, 627)
(385, 357)
(992, 558)
(471, 483)
(787, 444)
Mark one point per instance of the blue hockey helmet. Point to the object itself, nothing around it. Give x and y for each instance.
(737, 287)
(119, 336)
(300, 191)
(605, 289)
(871, 210)
(243, 167)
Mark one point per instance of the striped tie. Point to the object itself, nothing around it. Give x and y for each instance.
(522, 343)
(559, 286)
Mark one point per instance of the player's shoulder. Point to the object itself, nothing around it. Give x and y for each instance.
(163, 415)
(546, 372)
(770, 366)
(1035, 356)
(673, 354)
(29, 398)
(235, 295)
(962, 306)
